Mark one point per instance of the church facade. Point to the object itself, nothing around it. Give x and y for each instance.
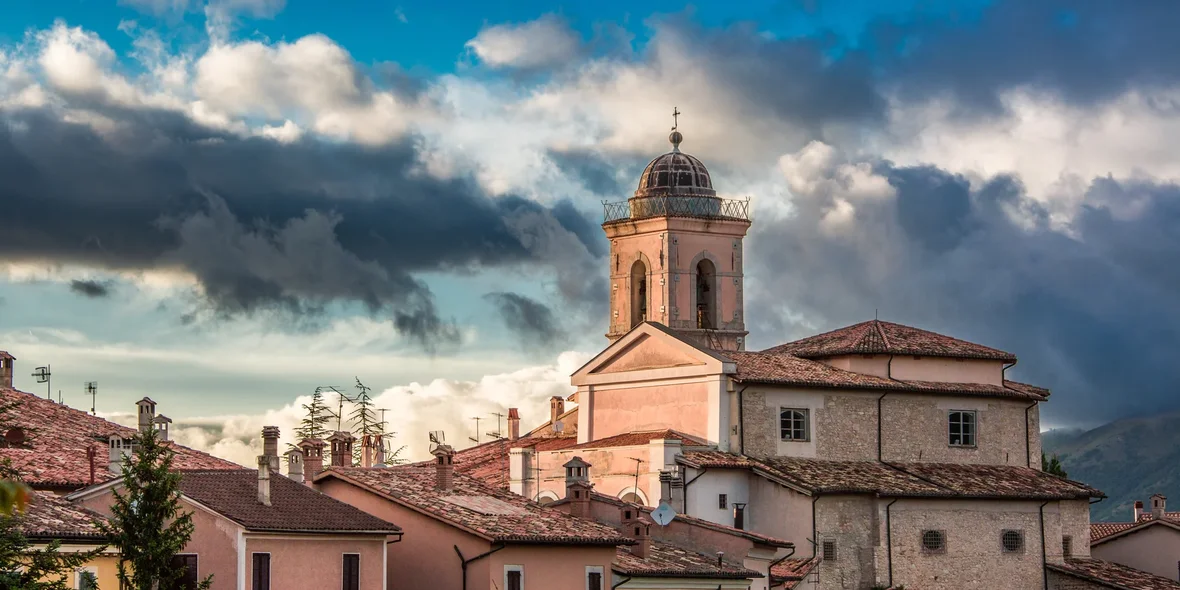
(887, 455)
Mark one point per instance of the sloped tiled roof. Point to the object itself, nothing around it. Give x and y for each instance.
(666, 560)
(488, 462)
(630, 439)
(789, 572)
(878, 337)
(1101, 530)
(49, 516)
(58, 437)
(1167, 516)
(233, 493)
(528, 522)
(785, 369)
(1108, 574)
(901, 479)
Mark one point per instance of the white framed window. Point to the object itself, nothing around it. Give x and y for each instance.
(595, 577)
(961, 428)
(86, 578)
(514, 577)
(793, 424)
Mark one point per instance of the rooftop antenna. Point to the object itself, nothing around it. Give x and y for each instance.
(437, 437)
(499, 417)
(59, 396)
(92, 391)
(637, 462)
(42, 375)
(476, 439)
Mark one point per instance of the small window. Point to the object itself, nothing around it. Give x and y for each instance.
(86, 578)
(261, 571)
(933, 542)
(1012, 541)
(514, 577)
(722, 501)
(1067, 546)
(962, 428)
(829, 550)
(793, 424)
(188, 564)
(352, 571)
(594, 575)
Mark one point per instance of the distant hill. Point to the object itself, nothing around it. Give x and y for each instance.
(1129, 459)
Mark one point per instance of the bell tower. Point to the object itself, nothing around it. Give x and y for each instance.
(676, 254)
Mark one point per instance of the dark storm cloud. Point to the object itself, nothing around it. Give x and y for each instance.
(532, 321)
(1092, 315)
(599, 174)
(262, 225)
(91, 289)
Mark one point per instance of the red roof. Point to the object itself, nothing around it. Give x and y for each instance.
(49, 516)
(1101, 530)
(54, 454)
(4, 355)
(666, 560)
(471, 505)
(1107, 574)
(785, 369)
(294, 507)
(488, 462)
(878, 337)
(789, 572)
(631, 439)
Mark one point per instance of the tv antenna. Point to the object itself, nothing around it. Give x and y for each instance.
(42, 374)
(637, 462)
(476, 439)
(499, 418)
(92, 391)
(437, 437)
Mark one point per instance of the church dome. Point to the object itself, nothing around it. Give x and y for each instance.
(675, 174)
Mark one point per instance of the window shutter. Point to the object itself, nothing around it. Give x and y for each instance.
(594, 581)
(514, 580)
(261, 571)
(352, 571)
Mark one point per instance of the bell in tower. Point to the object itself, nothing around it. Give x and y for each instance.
(676, 254)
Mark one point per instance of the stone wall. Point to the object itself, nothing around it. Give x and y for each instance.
(852, 523)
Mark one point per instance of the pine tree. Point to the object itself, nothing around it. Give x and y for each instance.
(364, 418)
(1053, 466)
(315, 423)
(148, 525)
(26, 568)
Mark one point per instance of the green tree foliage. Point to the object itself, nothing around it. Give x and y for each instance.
(1052, 465)
(148, 525)
(364, 414)
(315, 422)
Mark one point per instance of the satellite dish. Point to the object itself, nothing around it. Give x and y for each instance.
(15, 436)
(664, 514)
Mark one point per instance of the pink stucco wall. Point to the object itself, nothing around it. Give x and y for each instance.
(683, 407)
(299, 562)
(545, 567)
(924, 368)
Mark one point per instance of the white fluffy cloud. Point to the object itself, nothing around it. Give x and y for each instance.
(545, 41)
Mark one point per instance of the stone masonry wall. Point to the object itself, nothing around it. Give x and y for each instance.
(850, 521)
(915, 429)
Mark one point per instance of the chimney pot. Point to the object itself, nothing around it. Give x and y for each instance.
(341, 442)
(641, 530)
(513, 424)
(444, 456)
(1159, 506)
(1138, 510)
(146, 408)
(295, 465)
(6, 369)
(313, 458)
(264, 480)
(578, 486)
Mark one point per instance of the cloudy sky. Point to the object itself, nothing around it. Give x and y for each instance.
(224, 204)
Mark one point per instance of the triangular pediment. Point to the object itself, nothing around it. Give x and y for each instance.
(649, 348)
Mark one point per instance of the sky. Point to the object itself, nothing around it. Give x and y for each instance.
(224, 204)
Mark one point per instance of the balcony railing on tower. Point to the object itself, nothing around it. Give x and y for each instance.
(677, 206)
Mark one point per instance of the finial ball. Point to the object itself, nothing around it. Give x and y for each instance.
(675, 137)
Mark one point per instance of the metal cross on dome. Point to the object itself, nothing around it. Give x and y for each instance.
(675, 118)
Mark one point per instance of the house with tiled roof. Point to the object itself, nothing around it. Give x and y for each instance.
(50, 518)
(464, 533)
(263, 530)
(1149, 541)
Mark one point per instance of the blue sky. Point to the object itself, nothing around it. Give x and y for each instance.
(225, 203)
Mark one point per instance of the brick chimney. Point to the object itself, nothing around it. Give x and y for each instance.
(341, 442)
(295, 465)
(513, 424)
(578, 486)
(270, 447)
(556, 408)
(368, 450)
(264, 480)
(313, 458)
(640, 529)
(147, 414)
(6, 361)
(1159, 505)
(444, 457)
(1138, 510)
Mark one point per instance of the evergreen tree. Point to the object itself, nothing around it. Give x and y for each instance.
(25, 568)
(364, 418)
(148, 525)
(1053, 466)
(315, 423)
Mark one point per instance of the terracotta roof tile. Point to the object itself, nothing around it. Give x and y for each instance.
(494, 513)
(785, 369)
(901, 479)
(630, 439)
(50, 516)
(1167, 516)
(1101, 530)
(789, 572)
(1112, 575)
(58, 437)
(878, 337)
(294, 507)
(488, 462)
(666, 560)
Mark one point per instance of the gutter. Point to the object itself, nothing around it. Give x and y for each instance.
(1044, 558)
(684, 496)
(465, 562)
(742, 421)
(889, 539)
(879, 418)
(814, 531)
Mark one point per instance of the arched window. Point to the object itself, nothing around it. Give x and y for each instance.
(638, 293)
(706, 295)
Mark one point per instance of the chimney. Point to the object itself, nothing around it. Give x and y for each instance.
(640, 529)
(147, 414)
(313, 458)
(556, 408)
(1159, 504)
(91, 455)
(6, 361)
(578, 486)
(1138, 510)
(270, 447)
(513, 424)
(161, 423)
(368, 449)
(119, 448)
(739, 516)
(672, 486)
(445, 465)
(264, 480)
(380, 460)
(295, 465)
(341, 442)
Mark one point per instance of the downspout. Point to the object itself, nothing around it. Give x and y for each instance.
(742, 422)
(889, 540)
(1027, 435)
(684, 496)
(1044, 559)
(769, 568)
(879, 444)
(465, 561)
(814, 529)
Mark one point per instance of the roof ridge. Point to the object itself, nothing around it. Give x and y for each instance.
(881, 332)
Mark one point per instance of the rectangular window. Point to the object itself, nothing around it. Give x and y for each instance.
(86, 578)
(1067, 546)
(261, 575)
(594, 575)
(829, 550)
(514, 577)
(722, 501)
(351, 579)
(188, 564)
(961, 428)
(793, 424)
